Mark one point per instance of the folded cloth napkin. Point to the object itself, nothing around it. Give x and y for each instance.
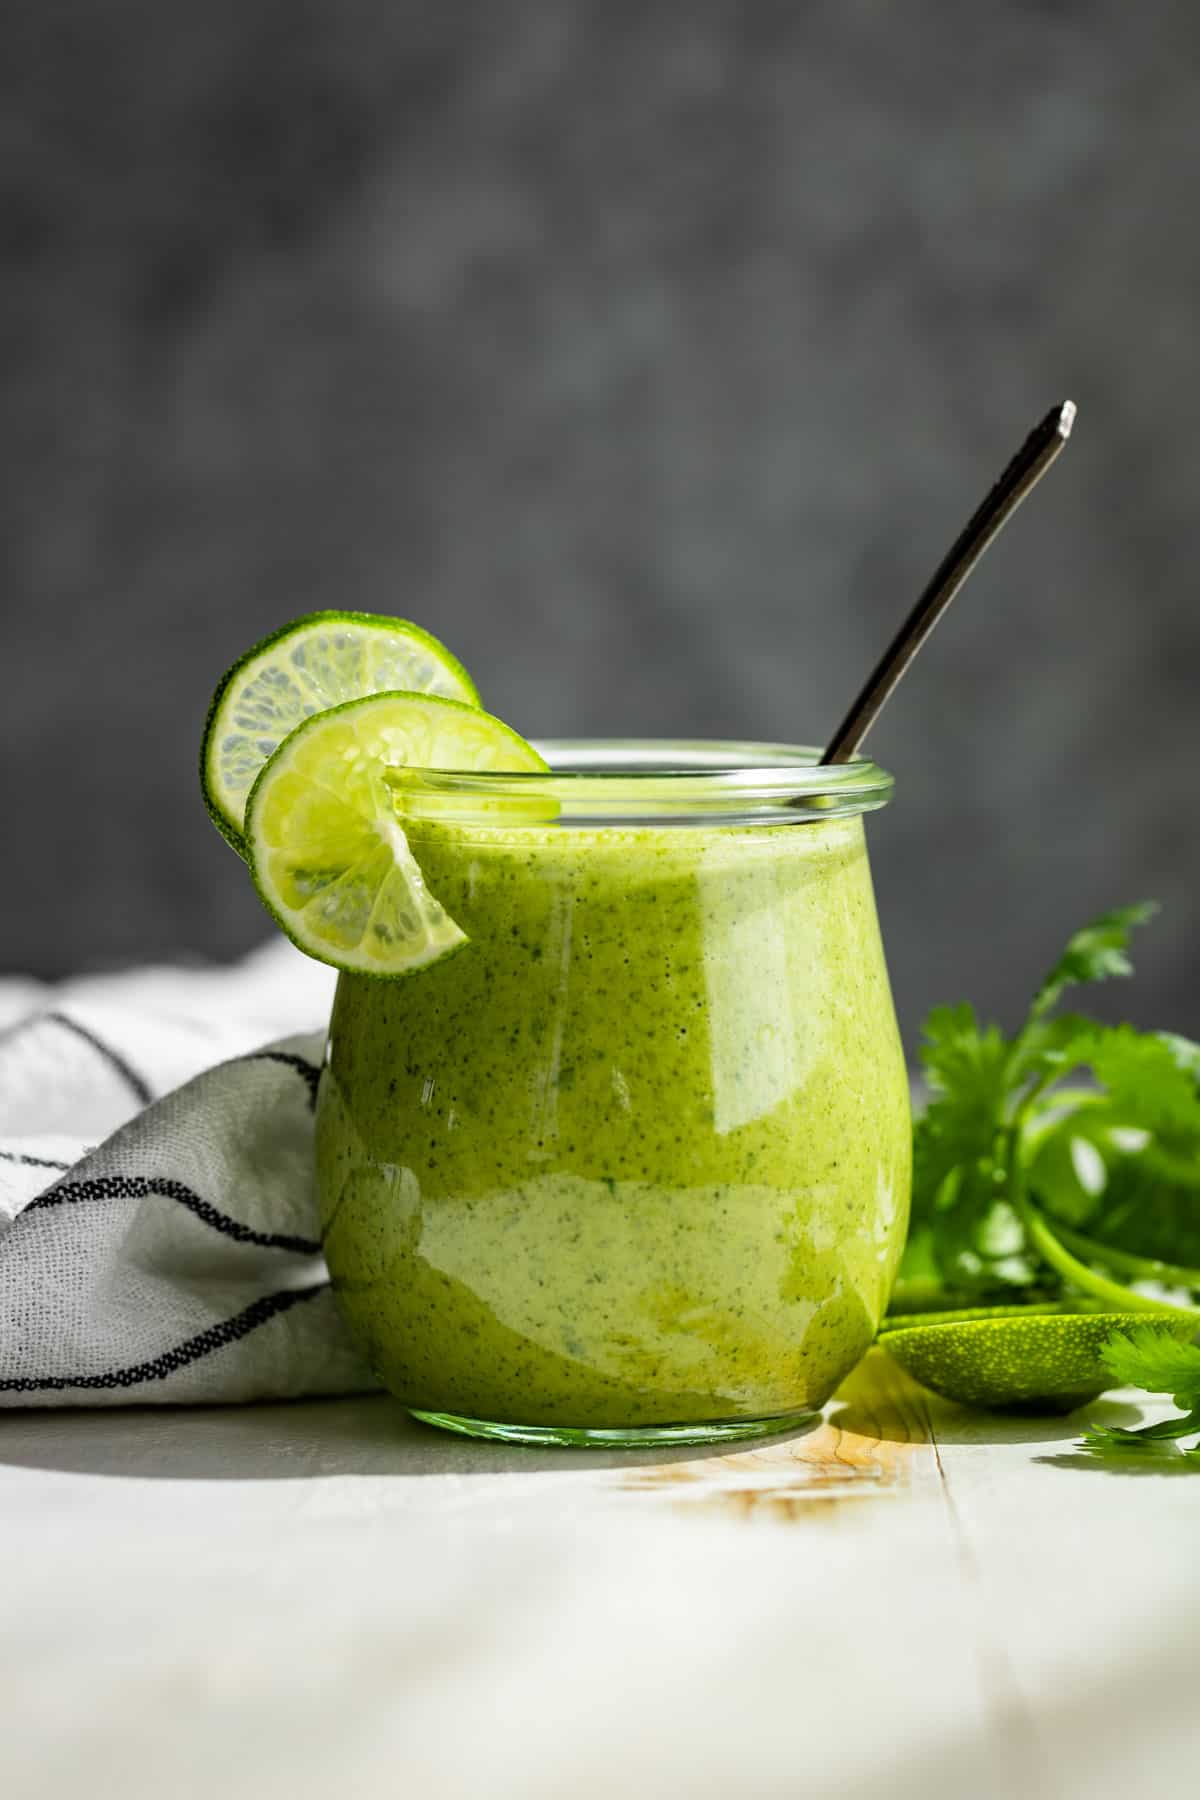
(158, 1217)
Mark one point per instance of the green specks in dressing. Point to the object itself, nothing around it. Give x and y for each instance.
(639, 1152)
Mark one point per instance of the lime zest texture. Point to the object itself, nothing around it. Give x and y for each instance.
(316, 662)
(1038, 1358)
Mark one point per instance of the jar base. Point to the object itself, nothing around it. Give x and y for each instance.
(627, 1437)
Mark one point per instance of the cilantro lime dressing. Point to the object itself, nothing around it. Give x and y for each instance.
(639, 1151)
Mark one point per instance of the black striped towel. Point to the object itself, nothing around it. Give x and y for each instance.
(158, 1238)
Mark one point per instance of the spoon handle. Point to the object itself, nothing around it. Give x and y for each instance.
(1019, 478)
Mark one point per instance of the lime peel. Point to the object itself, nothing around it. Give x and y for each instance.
(316, 662)
(1044, 1358)
(324, 833)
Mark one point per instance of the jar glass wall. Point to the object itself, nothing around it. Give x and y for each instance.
(633, 1164)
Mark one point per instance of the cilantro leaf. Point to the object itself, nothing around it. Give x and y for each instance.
(958, 1056)
(1143, 1075)
(1024, 1180)
(1045, 1050)
(1147, 1358)
(1150, 1359)
(1185, 1053)
(1000, 1118)
(1126, 1168)
(1096, 953)
(963, 1224)
(1145, 1439)
(965, 1069)
(1098, 1171)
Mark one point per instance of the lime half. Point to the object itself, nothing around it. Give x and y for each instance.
(308, 666)
(324, 836)
(1036, 1358)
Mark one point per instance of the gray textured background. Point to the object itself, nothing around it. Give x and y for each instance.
(648, 353)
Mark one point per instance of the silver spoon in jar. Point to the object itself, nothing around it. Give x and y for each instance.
(986, 522)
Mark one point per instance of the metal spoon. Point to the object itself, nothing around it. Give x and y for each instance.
(1019, 478)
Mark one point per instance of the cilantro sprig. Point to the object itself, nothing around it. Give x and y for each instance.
(1148, 1359)
(1063, 1163)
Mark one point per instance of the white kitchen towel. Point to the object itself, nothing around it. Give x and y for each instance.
(158, 1217)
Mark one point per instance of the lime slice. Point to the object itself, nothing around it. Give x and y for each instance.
(325, 841)
(314, 663)
(1028, 1358)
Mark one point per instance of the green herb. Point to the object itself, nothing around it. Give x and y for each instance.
(1147, 1359)
(1061, 1163)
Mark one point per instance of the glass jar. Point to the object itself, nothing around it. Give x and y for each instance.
(632, 1165)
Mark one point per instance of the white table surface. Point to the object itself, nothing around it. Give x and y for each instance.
(326, 1598)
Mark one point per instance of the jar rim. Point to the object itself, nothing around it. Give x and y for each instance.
(662, 779)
